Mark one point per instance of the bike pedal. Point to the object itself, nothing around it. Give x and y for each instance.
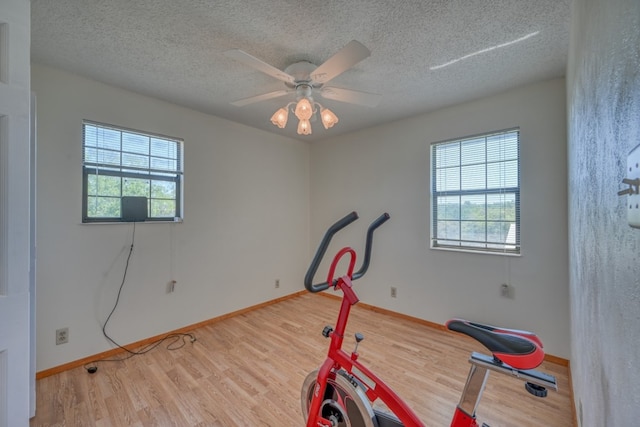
(485, 425)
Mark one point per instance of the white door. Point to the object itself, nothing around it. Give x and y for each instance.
(15, 83)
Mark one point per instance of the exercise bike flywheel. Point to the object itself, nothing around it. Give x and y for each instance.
(345, 404)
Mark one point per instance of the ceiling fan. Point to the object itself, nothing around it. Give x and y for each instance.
(306, 79)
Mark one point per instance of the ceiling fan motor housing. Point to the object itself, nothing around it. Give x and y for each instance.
(304, 90)
(301, 72)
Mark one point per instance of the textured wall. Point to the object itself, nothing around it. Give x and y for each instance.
(604, 125)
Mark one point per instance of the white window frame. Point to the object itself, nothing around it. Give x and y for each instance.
(115, 159)
(463, 179)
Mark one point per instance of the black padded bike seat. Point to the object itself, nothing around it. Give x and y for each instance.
(518, 349)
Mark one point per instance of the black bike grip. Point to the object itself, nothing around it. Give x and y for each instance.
(367, 252)
(322, 248)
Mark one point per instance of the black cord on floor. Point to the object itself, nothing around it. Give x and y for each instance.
(92, 367)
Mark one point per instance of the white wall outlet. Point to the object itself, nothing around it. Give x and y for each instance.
(277, 283)
(394, 292)
(62, 336)
(171, 286)
(506, 290)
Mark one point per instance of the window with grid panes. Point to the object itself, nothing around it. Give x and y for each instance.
(120, 162)
(475, 193)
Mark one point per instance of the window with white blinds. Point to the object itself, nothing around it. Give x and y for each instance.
(120, 162)
(475, 193)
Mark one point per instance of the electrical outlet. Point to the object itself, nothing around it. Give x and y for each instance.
(277, 283)
(62, 336)
(171, 286)
(394, 292)
(506, 290)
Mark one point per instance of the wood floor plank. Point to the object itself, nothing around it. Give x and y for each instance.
(247, 371)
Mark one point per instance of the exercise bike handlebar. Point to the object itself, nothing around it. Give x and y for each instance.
(324, 244)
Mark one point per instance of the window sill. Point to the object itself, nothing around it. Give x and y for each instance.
(175, 221)
(479, 252)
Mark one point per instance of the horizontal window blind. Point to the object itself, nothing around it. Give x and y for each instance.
(119, 162)
(475, 193)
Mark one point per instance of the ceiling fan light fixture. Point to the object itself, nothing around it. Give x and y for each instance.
(304, 109)
(304, 127)
(280, 117)
(305, 78)
(328, 118)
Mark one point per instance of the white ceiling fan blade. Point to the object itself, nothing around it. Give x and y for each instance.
(351, 96)
(344, 59)
(258, 98)
(260, 65)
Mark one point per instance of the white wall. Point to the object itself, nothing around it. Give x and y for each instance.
(246, 222)
(251, 201)
(604, 126)
(386, 168)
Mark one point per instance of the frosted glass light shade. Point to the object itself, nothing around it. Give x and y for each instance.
(304, 110)
(280, 118)
(328, 118)
(304, 127)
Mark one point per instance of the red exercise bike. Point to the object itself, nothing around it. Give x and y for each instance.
(341, 392)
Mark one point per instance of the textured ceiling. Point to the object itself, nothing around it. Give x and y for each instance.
(174, 50)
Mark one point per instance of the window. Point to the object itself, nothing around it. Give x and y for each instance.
(475, 193)
(120, 162)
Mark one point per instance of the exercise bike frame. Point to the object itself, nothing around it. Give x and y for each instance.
(374, 388)
(336, 357)
(339, 359)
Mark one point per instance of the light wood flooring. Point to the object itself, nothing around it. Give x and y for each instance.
(247, 370)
